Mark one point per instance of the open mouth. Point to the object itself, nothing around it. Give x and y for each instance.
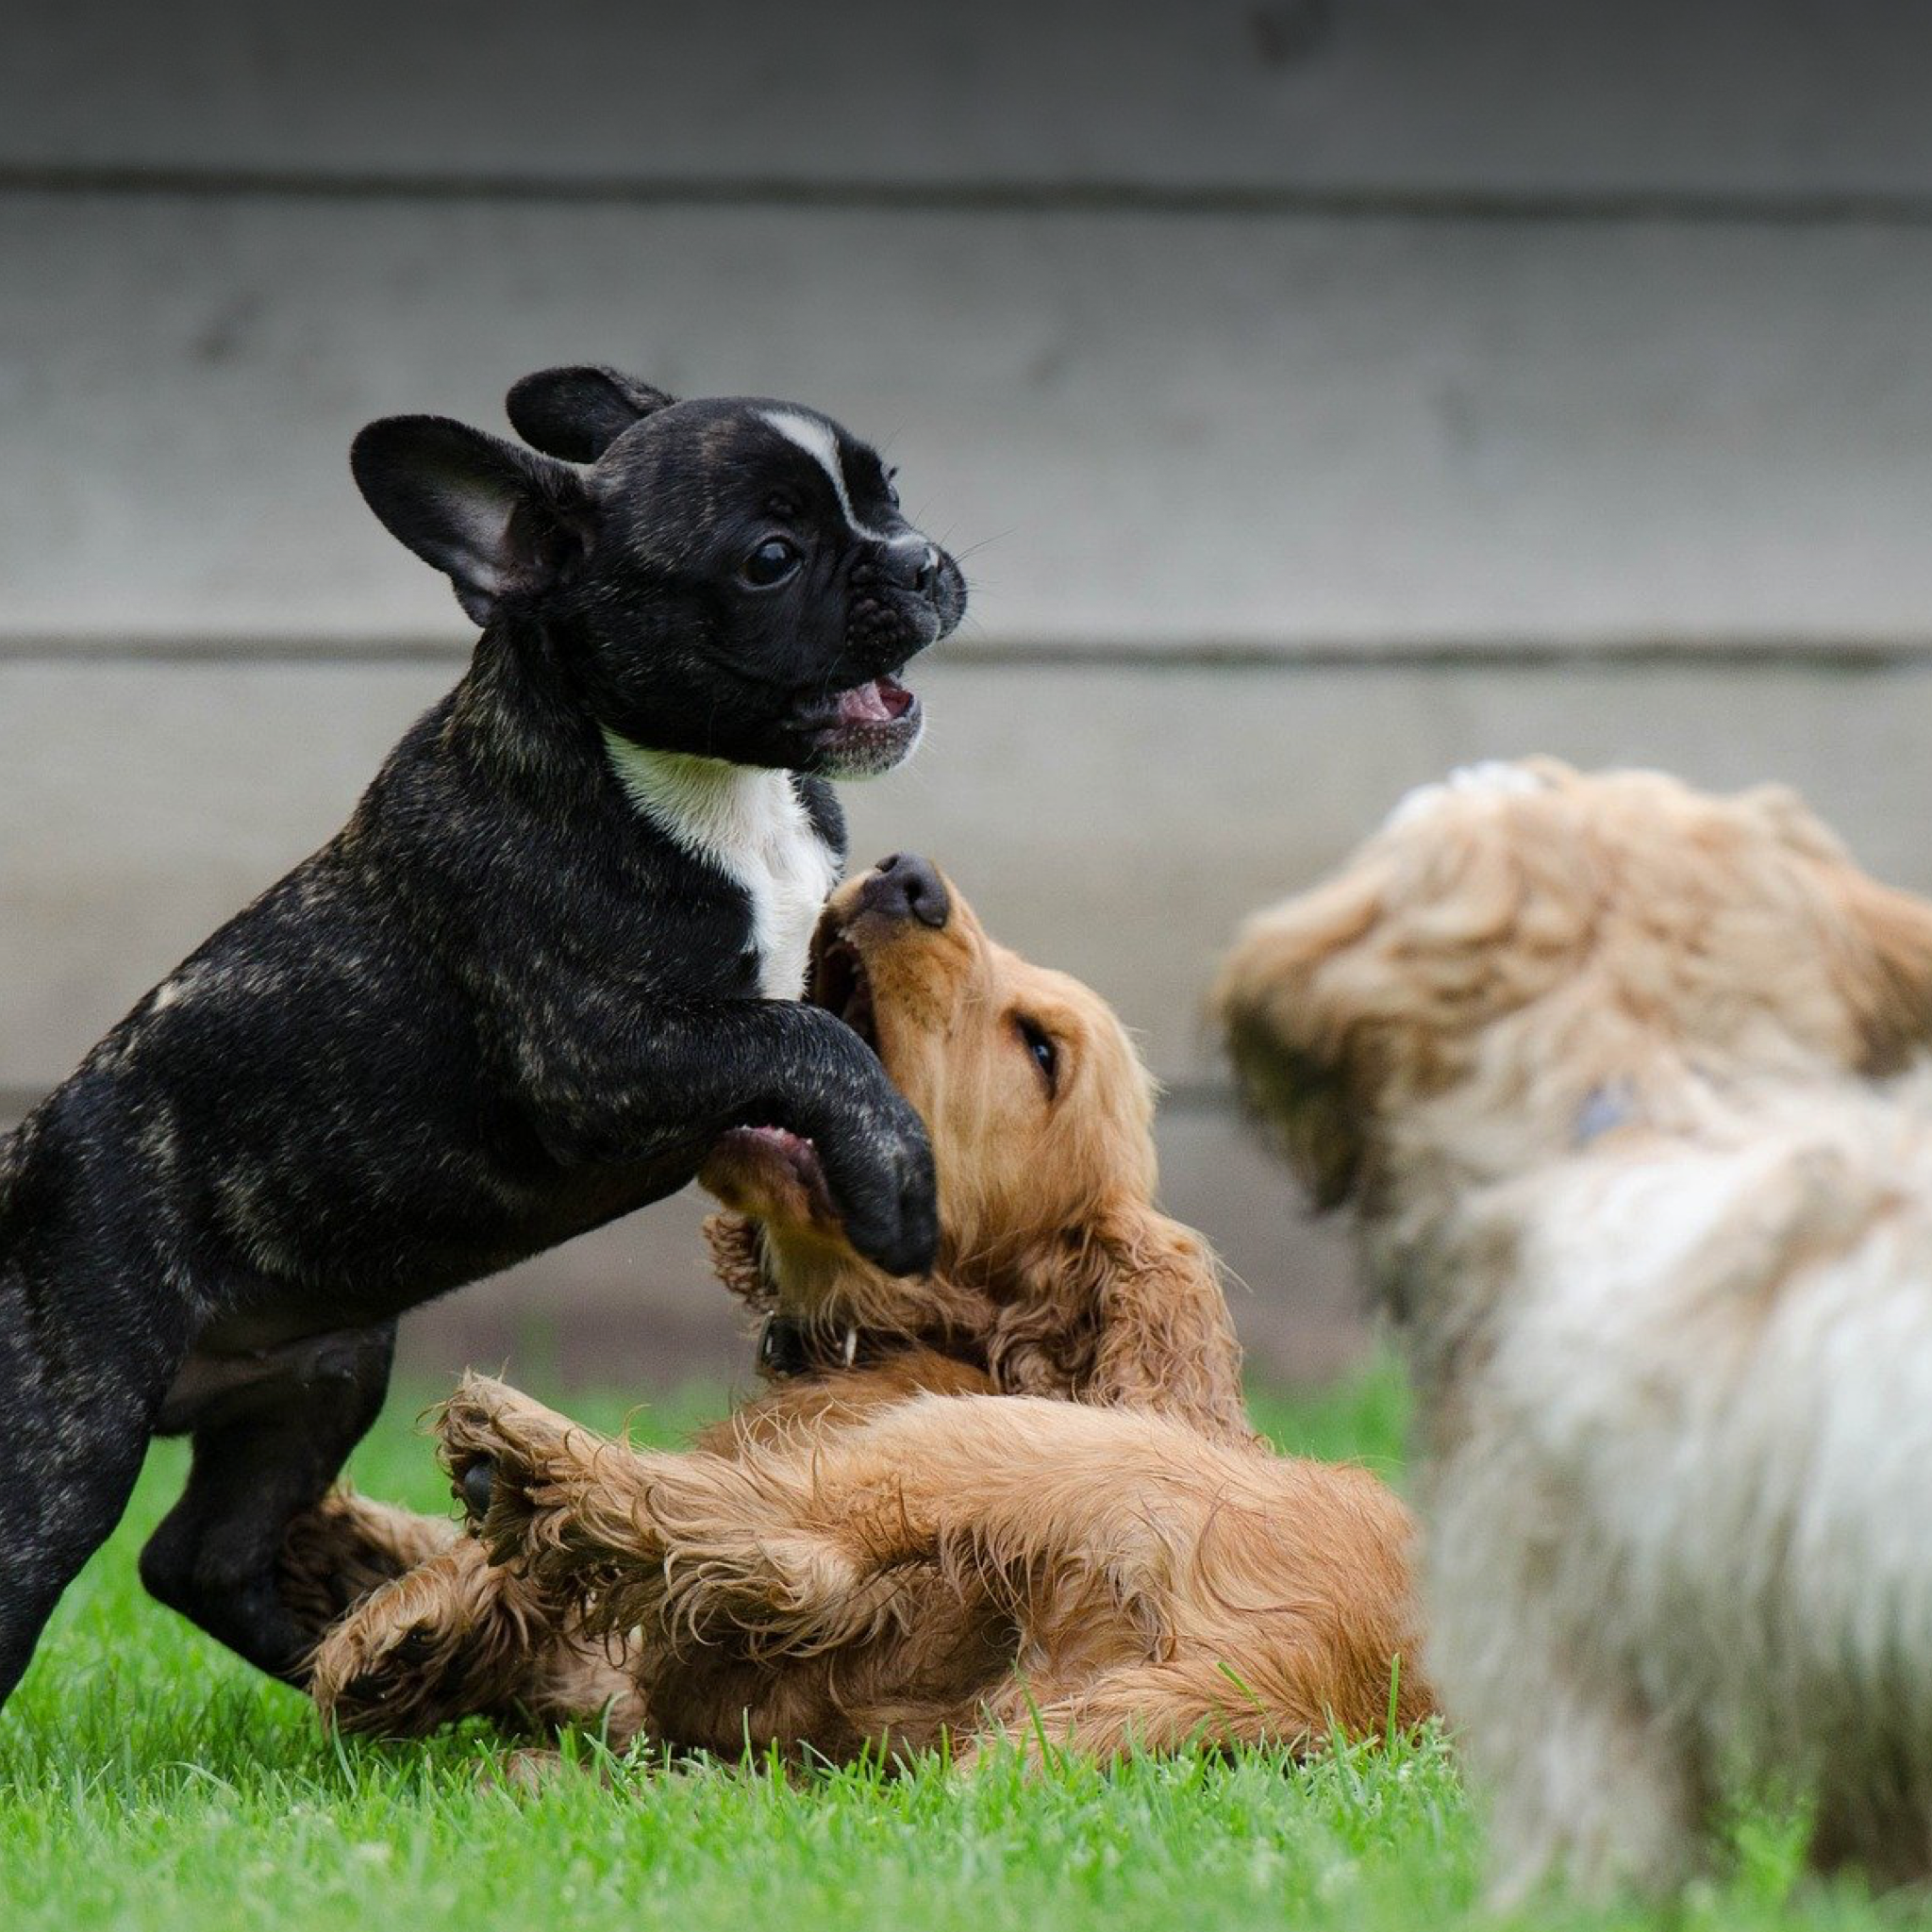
(884, 701)
(841, 985)
(868, 729)
(771, 1171)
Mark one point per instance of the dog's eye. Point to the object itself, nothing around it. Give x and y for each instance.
(1039, 1043)
(891, 491)
(771, 562)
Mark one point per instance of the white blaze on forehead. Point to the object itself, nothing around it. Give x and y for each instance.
(817, 441)
(1499, 777)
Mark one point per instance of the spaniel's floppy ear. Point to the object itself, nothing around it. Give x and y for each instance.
(1878, 938)
(1295, 1056)
(578, 414)
(1167, 1341)
(1127, 1309)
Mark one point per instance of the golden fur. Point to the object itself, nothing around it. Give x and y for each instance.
(1042, 1495)
(1600, 1062)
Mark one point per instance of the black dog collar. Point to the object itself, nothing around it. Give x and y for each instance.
(789, 1346)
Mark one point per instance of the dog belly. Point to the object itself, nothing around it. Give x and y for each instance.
(232, 1373)
(444, 1237)
(285, 1237)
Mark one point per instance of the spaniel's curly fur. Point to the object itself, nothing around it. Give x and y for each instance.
(1034, 1503)
(1601, 1064)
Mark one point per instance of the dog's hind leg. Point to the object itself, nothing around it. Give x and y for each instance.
(271, 1431)
(1283, 1675)
(75, 1433)
(1160, 1705)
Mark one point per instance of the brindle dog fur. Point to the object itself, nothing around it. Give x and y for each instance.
(550, 958)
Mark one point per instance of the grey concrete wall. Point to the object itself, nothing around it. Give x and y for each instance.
(1283, 432)
(1506, 99)
(1323, 394)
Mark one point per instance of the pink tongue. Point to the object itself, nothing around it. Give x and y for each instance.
(864, 703)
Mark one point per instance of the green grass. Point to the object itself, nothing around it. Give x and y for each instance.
(147, 1779)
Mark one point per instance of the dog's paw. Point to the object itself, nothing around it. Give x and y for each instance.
(501, 1449)
(338, 1554)
(448, 1638)
(387, 1675)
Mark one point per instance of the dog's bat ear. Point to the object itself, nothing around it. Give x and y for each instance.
(578, 414)
(485, 512)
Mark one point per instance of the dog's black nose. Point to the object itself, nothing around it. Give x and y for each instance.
(914, 567)
(907, 887)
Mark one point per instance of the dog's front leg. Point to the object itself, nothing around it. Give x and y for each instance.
(803, 1547)
(660, 1089)
(1589, 1781)
(270, 1432)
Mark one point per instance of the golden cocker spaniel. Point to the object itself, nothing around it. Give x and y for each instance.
(1020, 1496)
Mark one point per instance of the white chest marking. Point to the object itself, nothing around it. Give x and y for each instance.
(822, 446)
(751, 825)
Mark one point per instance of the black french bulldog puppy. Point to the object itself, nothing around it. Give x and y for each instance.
(553, 956)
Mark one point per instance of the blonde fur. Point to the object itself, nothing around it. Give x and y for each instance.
(1597, 1062)
(1045, 1495)
(1136, 1581)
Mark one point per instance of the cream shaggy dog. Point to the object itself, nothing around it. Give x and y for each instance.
(1598, 1062)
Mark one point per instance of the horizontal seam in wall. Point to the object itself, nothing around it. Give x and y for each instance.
(1826, 208)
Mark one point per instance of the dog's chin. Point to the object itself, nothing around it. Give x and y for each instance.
(866, 730)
